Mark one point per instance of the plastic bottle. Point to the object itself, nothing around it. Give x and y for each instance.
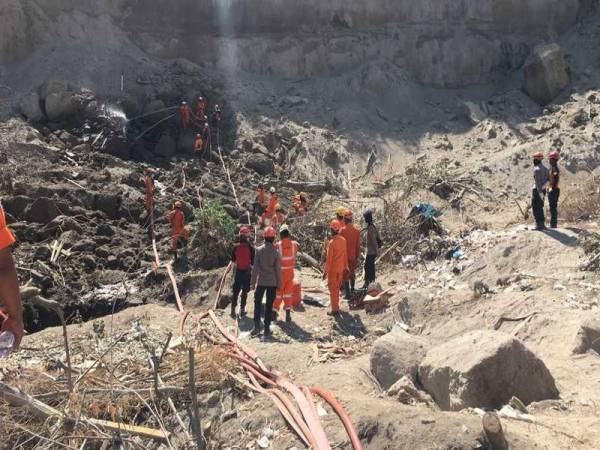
(7, 340)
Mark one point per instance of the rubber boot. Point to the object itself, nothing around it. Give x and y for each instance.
(347, 294)
(232, 314)
(288, 316)
(256, 329)
(267, 333)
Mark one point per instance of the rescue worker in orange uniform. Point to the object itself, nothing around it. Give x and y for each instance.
(288, 249)
(200, 108)
(336, 265)
(184, 115)
(260, 202)
(553, 187)
(179, 231)
(198, 146)
(300, 203)
(273, 220)
(273, 201)
(351, 233)
(149, 183)
(10, 295)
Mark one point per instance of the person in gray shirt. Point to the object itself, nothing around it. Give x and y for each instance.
(265, 279)
(540, 178)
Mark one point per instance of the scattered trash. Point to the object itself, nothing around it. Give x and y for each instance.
(315, 301)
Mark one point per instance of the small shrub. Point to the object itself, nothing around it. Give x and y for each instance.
(212, 234)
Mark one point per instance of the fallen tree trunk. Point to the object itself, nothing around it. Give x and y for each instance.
(310, 186)
(310, 261)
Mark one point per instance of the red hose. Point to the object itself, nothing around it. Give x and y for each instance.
(342, 414)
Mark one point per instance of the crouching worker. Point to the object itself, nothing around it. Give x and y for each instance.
(265, 279)
(179, 231)
(243, 258)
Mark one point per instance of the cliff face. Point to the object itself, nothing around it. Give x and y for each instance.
(446, 43)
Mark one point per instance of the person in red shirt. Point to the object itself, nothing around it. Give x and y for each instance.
(351, 233)
(179, 231)
(243, 258)
(10, 295)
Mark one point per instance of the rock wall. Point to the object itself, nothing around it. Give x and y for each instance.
(447, 43)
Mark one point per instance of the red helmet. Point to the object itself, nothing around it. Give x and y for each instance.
(245, 231)
(335, 225)
(348, 214)
(269, 232)
(538, 156)
(554, 155)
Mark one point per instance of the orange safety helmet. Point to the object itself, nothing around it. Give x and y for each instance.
(348, 214)
(555, 155)
(178, 204)
(538, 156)
(269, 232)
(335, 225)
(245, 231)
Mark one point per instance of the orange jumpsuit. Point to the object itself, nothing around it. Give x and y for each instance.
(200, 107)
(198, 144)
(288, 250)
(352, 235)
(178, 228)
(273, 201)
(184, 115)
(6, 237)
(149, 193)
(336, 264)
(274, 220)
(261, 197)
(299, 205)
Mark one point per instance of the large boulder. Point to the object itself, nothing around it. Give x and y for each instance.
(484, 369)
(166, 146)
(261, 165)
(53, 87)
(545, 74)
(61, 105)
(31, 108)
(118, 146)
(109, 204)
(588, 336)
(44, 210)
(395, 355)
